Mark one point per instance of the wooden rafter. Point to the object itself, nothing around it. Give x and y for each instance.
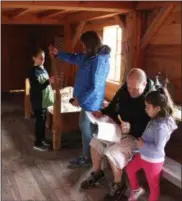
(56, 13)
(78, 33)
(115, 6)
(149, 5)
(88, 16)
(156, 25)
(30, 20)
(20, 13)
(99, 26)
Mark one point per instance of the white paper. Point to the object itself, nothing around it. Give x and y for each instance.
(108, 130)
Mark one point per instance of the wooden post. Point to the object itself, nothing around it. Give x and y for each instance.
(27, 104)
(57, 123)
(133, 35)
(78, 32)
(56, 111)
(68, 46)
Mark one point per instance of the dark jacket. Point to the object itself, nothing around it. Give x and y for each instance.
(91, 77)
(130, 109)
(41, 94)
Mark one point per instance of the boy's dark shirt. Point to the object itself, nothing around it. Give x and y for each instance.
(36, 87)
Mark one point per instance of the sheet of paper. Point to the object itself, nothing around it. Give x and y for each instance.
(109, 132)
(93, 119)
(107, 129)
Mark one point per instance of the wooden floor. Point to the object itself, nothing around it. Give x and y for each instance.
(28, 175)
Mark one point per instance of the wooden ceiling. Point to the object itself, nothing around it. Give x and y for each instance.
(72, 12)
(48, 12)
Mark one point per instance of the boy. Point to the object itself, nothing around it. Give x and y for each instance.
(41, 96)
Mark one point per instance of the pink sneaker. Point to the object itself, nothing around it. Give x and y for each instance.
(136, 194)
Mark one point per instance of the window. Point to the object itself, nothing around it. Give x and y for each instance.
(112, 36)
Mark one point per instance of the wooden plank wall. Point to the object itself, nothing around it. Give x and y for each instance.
(164, 53)
(18, 42)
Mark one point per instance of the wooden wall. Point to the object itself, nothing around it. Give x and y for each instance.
(18, 42)
(164, 53)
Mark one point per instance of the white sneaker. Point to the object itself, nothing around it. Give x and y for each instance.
(136, 194)
(40, 148)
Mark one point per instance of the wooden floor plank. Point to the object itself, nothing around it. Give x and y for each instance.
(31, 175)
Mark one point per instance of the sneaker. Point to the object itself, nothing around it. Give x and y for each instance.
(93, 180)
(79, 162)
(135, 194)
(40, 148)
(46, 143)
(115, 193)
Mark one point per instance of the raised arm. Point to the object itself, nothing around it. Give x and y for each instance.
(65, 56)
(70, 58)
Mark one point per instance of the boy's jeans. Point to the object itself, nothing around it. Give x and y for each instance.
(87, 135)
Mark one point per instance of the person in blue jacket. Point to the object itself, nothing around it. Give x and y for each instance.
(90, 82)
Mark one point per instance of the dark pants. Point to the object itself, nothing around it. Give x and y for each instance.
(40, 116)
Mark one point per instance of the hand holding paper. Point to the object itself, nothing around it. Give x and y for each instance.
(97, 114)
(107, 130)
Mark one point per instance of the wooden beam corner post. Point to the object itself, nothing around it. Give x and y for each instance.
(56, 131)
(156, 25)
(133, 37)
(78, 33)
(119, 21)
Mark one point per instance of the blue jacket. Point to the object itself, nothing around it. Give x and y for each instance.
(91, 77)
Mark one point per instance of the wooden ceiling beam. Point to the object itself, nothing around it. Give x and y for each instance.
(20, 13)
(156, 25)
(89, 16)
(57, 13)
(114, 6)
(30, 20)
(149, 5)
(98, 26)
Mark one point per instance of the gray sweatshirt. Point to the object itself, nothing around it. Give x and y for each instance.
(156, 136)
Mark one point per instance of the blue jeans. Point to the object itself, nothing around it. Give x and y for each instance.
(84, 124)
